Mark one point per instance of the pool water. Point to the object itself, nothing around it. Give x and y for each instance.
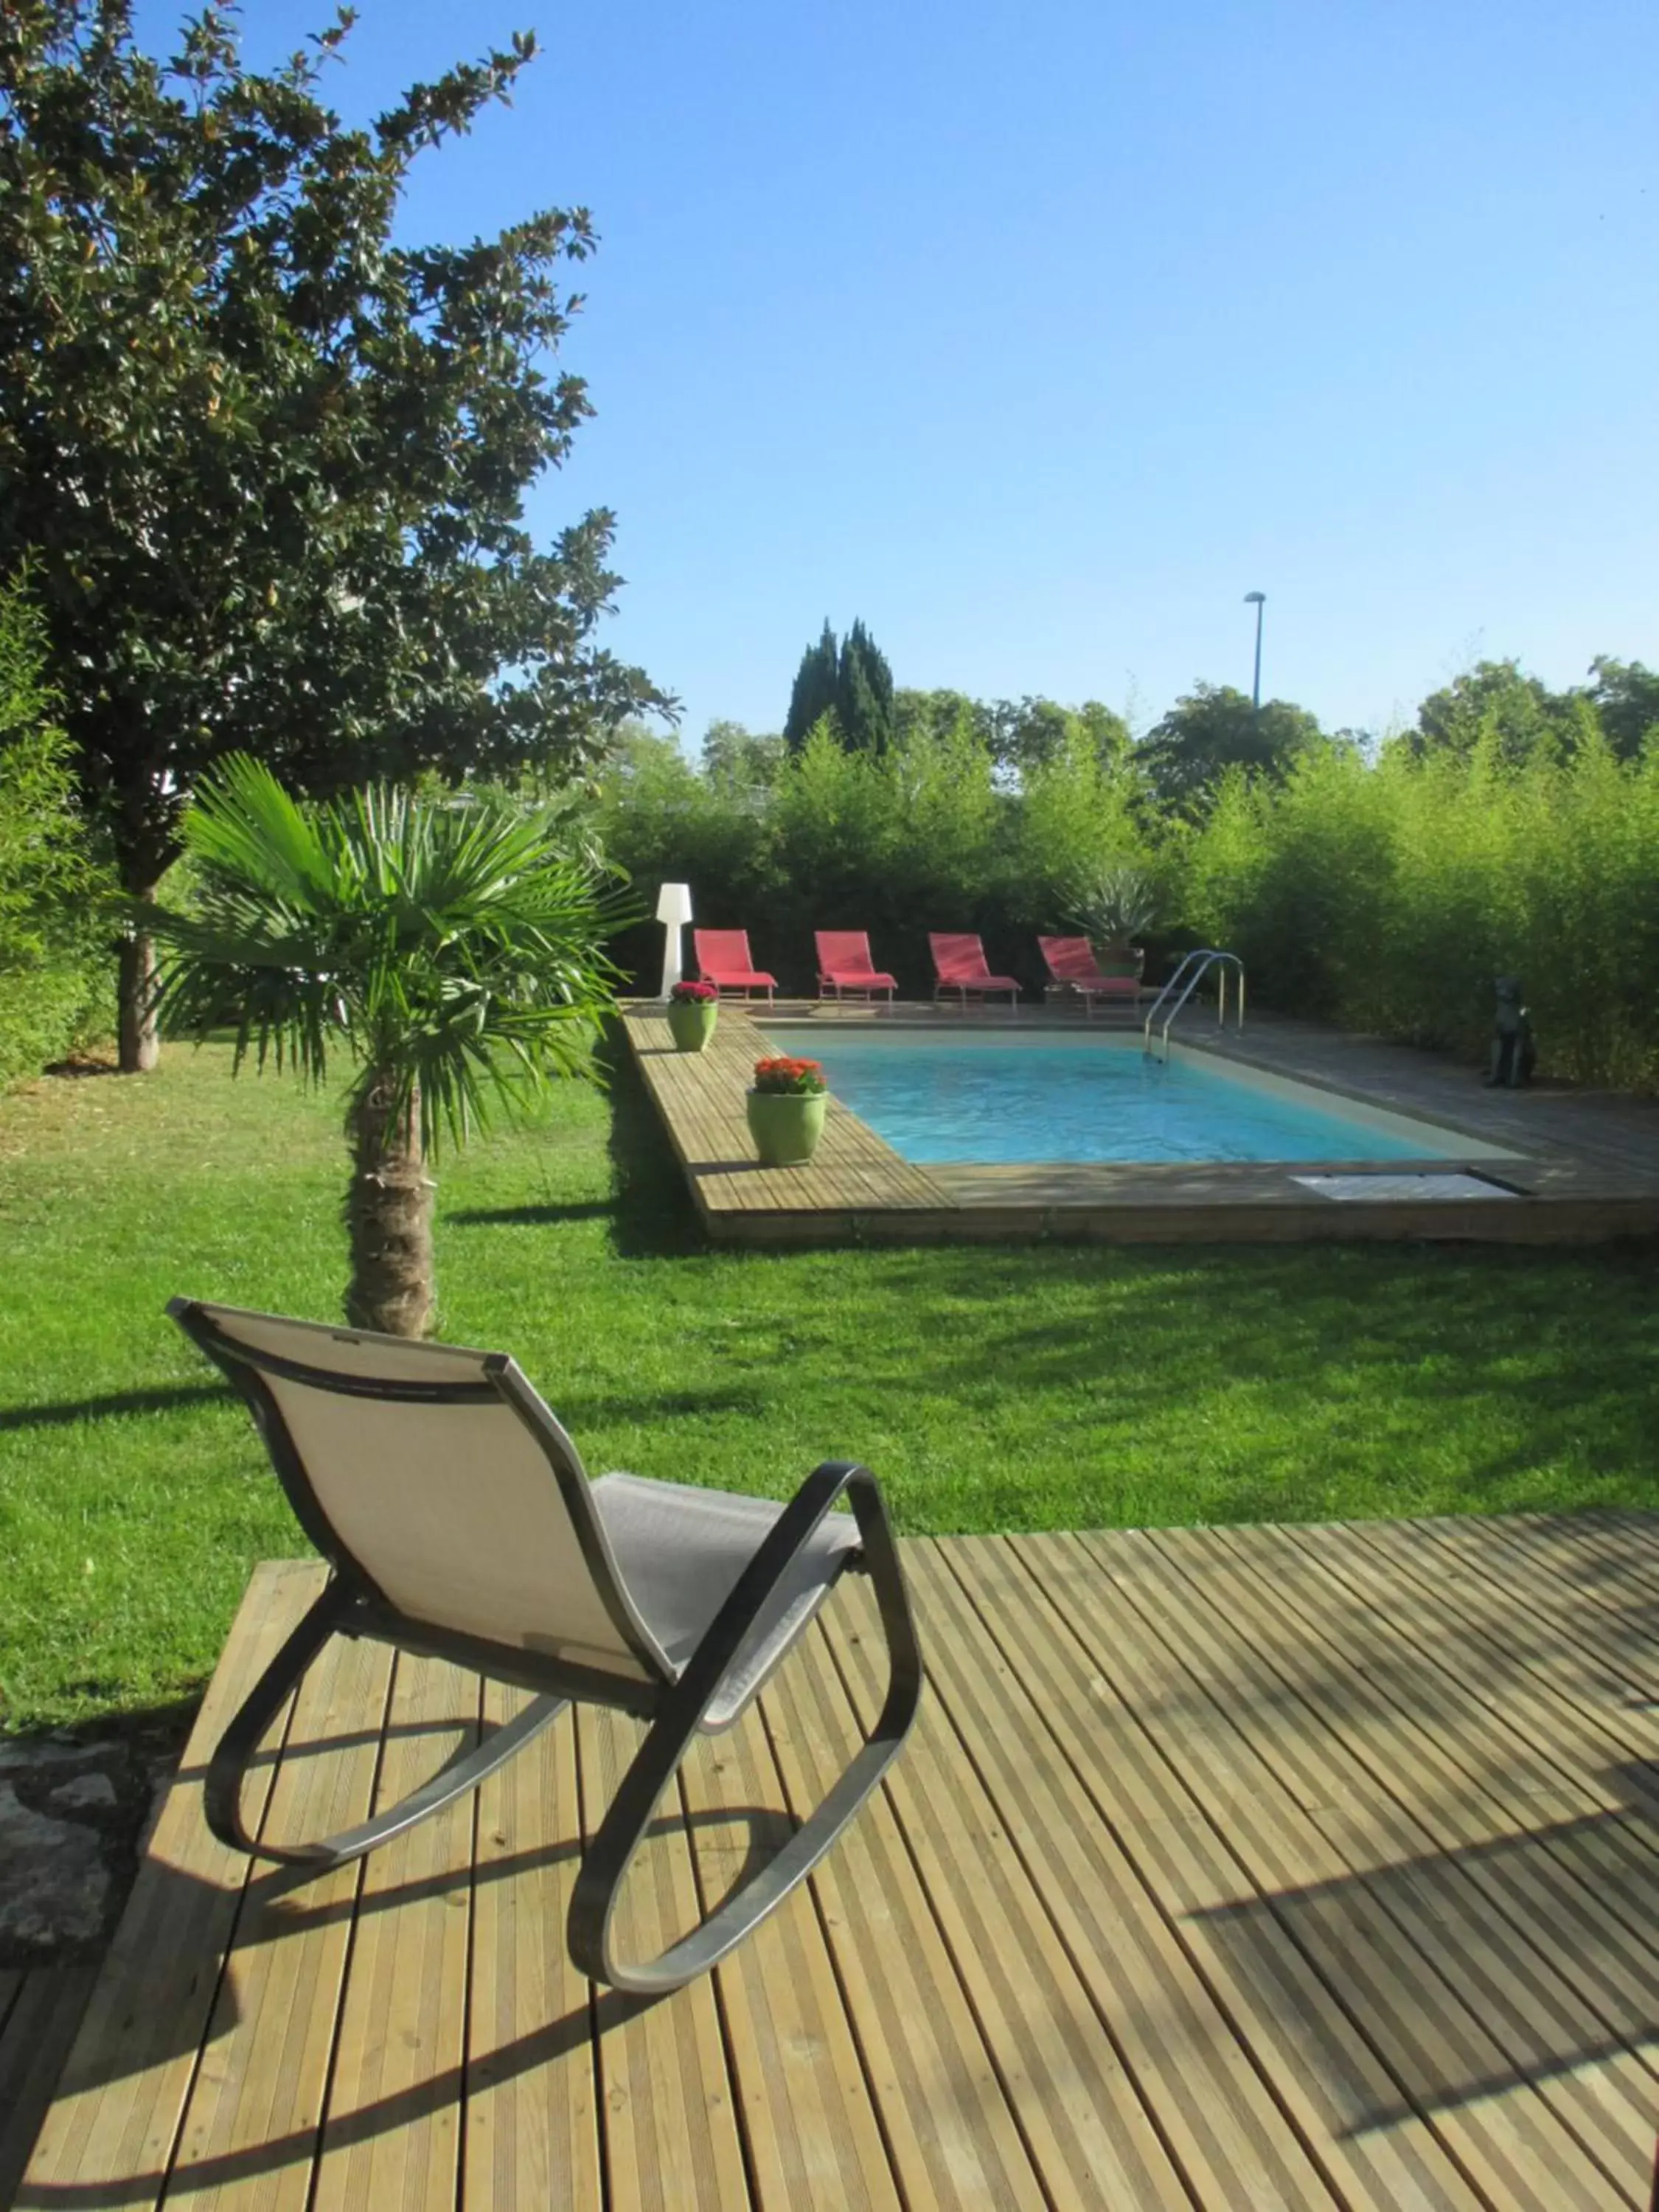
(996, 1100)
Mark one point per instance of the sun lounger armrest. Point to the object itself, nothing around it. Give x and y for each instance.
(630, 1812)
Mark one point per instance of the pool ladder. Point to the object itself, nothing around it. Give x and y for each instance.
(1193, 968)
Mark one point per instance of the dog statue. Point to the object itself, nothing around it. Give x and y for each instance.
(1513, 1052)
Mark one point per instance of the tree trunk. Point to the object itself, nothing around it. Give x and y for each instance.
(140, 1042)
(389, 1219)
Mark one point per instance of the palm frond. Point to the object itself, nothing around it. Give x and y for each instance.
(455, 951)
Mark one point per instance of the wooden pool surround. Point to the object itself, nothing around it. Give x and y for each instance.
(1585, 1167)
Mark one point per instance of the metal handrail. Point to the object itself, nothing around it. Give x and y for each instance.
(1200, 961)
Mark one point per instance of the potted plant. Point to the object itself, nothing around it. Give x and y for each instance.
(693, 1010)
(786, 1110)
(1116, 905)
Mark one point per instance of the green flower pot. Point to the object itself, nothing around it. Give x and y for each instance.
(691, 1022)
(785, 1125)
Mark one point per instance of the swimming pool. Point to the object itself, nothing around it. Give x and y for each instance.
(997, 1099)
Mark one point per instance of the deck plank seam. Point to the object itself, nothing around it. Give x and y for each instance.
(1487, 2023)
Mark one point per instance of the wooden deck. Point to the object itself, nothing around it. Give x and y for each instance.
(1277, 1868)
(700, 1095)
(1585, 1168)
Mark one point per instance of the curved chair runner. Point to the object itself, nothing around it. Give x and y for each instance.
(461, 1524)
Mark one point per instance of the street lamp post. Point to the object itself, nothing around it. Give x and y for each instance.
(1258, 600)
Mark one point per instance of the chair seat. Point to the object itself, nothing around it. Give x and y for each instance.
(680, 1551)
(859, 978)
(740, 978)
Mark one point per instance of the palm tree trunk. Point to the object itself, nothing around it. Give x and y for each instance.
(389, 1216)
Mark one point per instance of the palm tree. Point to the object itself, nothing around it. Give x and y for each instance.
(452, 949)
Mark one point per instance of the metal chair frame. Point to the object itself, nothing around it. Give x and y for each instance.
(675, 1704)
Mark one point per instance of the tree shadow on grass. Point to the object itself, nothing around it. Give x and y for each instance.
(652, 1212)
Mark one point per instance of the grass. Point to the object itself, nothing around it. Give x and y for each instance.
(1027, 1387)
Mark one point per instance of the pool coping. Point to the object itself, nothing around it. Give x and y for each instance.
(1585, 1170)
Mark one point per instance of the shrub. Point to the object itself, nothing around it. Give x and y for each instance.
(1387, 897)
(55, 982)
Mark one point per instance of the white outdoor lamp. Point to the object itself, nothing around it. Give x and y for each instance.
(673, 911)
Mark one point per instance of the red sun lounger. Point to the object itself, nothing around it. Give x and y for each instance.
(1070, 961)
(959, 966)
(724, 960)
(844, 964)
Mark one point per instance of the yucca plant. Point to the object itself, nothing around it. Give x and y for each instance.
(451, 950)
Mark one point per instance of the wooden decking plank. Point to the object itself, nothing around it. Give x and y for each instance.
(1605, 1579)
(1192, 1850)
(1225, 2128)
(1500, 2019)
(1583, 1881)
(1547, 1693)
(782, 2013)
(1193, 1704)
(942, 2104)
(700, 1098)
(115, 2115)
(1089, 2131)
(670, 2133)
(531, 2133)
(1580, 1884)
(41, 2014)
(1514, 1597)
(391, 2125)
(250, 2132)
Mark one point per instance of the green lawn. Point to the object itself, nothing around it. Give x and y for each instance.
(1028, 1388)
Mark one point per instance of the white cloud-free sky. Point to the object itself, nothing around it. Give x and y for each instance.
(1038, 331)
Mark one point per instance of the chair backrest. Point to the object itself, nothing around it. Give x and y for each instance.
(845, 951)
(438, 1479)
(958, 956)
(723, 949)
(1070, 959)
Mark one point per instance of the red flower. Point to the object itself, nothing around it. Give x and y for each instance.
(692, 994)
(800, 1079)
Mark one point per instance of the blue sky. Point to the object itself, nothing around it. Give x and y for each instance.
(1037, 334)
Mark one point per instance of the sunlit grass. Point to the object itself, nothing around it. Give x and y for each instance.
(1025, 1386)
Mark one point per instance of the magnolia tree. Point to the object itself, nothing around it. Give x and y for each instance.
(268, 465)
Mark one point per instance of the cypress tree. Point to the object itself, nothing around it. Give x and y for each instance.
(815, 691)
(864, 694)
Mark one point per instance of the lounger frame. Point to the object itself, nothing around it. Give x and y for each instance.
(676, 1706)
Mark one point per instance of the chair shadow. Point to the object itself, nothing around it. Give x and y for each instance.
(170, 2001)
(166, 1399)
(530, 1217)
